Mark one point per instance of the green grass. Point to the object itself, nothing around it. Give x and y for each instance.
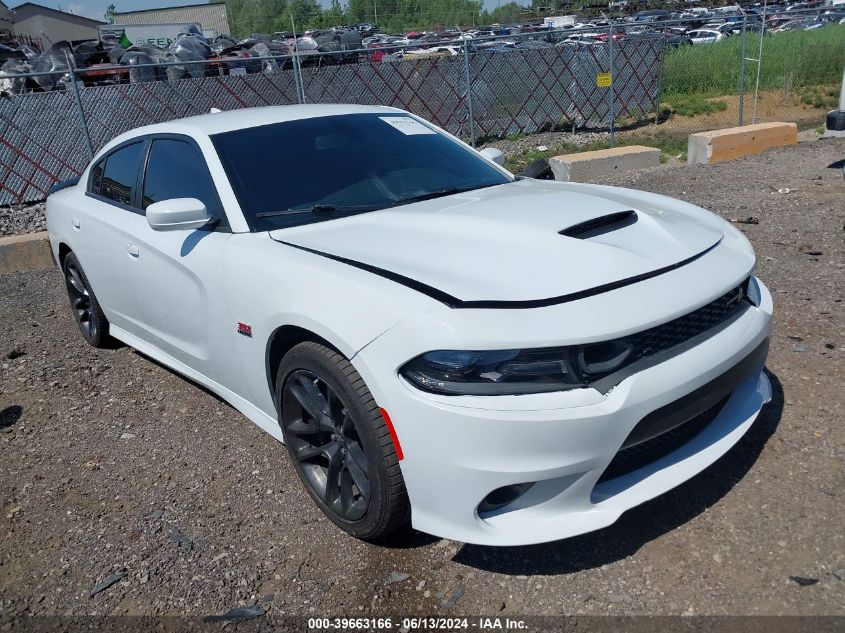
(693, 104)
(517, 162)
(790, 60)
(818, 97)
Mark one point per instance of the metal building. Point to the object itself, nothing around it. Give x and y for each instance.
(51, 25)
(6, 21)
(211, 16)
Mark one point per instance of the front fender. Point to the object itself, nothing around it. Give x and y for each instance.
(270, 285)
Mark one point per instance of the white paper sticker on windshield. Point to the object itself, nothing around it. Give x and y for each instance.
(407, 125)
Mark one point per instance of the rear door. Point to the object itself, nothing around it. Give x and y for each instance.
(177, 275)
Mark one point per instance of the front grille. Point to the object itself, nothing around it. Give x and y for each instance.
(640, 455)
(646, 344)
(683, 328)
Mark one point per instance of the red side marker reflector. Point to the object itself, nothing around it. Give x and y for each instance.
(393, 435)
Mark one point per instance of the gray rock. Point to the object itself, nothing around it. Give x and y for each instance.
(107, 582)
(238, 614)
(449, 600)
(181, 540)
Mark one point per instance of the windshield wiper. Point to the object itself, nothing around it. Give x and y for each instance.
(440, 193)
(317, 209)
(330, 209)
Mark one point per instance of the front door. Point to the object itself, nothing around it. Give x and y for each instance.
(176, 274)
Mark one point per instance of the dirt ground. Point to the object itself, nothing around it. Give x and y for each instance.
(111, 464)
(772, 105)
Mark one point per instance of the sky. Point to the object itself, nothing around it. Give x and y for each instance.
(97, 8)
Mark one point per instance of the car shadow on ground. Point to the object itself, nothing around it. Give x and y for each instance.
(9, 416)
(639, 525)
(187, 379)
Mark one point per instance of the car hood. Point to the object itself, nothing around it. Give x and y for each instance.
(504, 243)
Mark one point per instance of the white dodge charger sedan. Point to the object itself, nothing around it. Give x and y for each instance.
(498, 360)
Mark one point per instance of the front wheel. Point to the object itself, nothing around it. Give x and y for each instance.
(339, 442)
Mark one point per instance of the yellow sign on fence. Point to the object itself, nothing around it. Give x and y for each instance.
(603, 80)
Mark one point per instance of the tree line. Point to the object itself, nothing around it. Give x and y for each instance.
(392, 16)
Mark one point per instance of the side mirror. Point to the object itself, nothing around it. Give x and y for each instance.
(177, 214)
(496, 155)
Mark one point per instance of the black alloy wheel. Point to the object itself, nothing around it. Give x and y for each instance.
(86, 309)
(80, 300)
(341, 445)
(326, 444)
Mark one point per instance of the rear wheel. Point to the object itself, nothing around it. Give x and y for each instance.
(339, 443)
(89, 316)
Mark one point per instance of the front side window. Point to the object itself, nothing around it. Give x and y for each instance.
(97, 176)
(176, 169)
(310, 170)
(120, 173)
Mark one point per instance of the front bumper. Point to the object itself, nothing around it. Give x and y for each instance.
(458, 450)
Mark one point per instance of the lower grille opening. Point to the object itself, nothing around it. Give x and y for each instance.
(501, 497)
(634, 457)
(671, 426)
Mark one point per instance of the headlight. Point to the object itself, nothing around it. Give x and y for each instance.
(500, 372)
(599, 365)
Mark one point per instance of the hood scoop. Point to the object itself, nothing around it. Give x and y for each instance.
(600, 225)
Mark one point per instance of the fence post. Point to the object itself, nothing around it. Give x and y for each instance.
(660, 83)
(297, 76)
(742, 68)
(82, 121)
(611, 90)
(469, 93)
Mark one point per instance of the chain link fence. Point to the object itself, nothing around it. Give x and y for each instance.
(783, 66)
(623, 78)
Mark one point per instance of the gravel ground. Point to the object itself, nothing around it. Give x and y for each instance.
(22, 218)
(114, 468)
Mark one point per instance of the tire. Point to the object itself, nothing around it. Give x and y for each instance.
(538, 169)
(89, 316)
(339, 443)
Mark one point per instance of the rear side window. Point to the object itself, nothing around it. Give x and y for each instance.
(176, 169)
(119, 173)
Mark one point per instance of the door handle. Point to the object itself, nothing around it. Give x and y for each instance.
(75, 222)
(133, 249)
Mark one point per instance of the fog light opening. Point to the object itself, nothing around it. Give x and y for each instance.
(501, 497)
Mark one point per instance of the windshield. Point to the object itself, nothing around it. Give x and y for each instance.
(310, 170)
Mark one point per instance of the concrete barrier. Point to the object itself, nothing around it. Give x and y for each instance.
(736, 142)
(604, 162)
(25, 252)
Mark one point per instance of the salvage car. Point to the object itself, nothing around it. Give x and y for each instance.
(496, 359)
(705, 36)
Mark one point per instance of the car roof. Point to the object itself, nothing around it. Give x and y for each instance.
(219, 122)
